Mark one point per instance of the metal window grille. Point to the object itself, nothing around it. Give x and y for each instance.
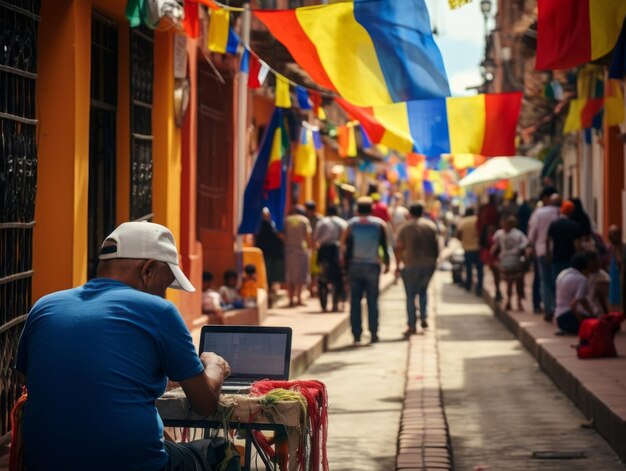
(102, 131)
(141, 84)
(19, 21)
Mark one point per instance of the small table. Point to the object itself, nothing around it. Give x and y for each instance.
(244, 413)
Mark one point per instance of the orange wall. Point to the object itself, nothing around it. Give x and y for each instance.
(190, 248)
(63, 89)
(60, 236)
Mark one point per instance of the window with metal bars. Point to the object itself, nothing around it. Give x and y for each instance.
(141, 92)
(19, 20)
(102, 131)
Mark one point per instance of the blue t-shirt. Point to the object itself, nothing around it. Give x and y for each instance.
(366, 234)
(96, 358)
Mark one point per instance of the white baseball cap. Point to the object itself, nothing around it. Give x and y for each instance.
(149, 241)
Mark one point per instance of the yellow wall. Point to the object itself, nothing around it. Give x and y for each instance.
(63, 88)
(166, 189)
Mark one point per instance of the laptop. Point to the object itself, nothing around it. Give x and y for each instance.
(253, 353)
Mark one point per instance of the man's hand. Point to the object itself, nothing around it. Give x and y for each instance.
(215, 363)
(203, 390)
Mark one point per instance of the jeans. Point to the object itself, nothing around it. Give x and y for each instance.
(364, 278)
(568, 322)
(416, 281)
(547, 286)
(472, 257)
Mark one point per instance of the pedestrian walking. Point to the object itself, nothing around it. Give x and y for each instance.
(271, 243)
(469, 237)
(364, 245)
(417, 250)
(509, 244)
(327, 238)
(538, 226)
(298, 243)
(564, 239)
(314, 217)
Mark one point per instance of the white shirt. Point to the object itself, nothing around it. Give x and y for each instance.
(538, 226)
(328, 230)
(399, 215)
(510, 243)
(571, 285)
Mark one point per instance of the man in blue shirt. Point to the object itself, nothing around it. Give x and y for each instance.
(96, 358)
(364, 243)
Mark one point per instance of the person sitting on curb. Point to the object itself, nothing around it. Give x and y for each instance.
(117, 341)
(211, 299)
(249, 286)
(231, 299)
(572, 304)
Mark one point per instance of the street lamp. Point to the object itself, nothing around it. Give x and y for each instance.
(489, 69)
(485, 7)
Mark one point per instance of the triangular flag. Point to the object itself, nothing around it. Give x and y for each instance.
(303, 98)
(217, 37)
(263, 72)
(283, 98)
(233, 42)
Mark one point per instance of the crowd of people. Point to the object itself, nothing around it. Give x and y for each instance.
(340, 258)
(576, 273)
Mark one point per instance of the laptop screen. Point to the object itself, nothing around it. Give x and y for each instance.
(253, 352)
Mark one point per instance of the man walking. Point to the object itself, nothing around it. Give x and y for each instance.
(327, 236)
(363, 244)
(417, 249)
(470, 239)
(538, 227)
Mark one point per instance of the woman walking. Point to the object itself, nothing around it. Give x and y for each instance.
(509, 244)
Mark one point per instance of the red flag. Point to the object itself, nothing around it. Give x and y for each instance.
(253, 72)
(191, 22)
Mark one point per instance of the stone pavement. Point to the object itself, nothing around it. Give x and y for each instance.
(500, 407)
(597, 386)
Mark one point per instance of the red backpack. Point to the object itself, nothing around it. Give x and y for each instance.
(596, 336)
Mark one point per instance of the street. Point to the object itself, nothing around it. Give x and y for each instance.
(499, 405)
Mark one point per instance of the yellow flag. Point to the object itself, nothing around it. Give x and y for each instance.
(217, 37)
(283, 99)
(305, 163)
(458, 3)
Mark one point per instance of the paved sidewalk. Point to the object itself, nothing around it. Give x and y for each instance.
(597, 387)
(501, 407)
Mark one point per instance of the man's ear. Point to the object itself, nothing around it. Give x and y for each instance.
(147, 268)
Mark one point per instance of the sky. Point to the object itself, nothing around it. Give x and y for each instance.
(461, 41)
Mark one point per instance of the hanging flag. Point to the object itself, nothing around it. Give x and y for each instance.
(618, 62)
(305, 160)
(264, 189)
(244, 66)
(462, 160)
(583, 111)
(371, 52)
(366, 142)
(480, 124)
(233, 42)
(572, 32)
(219, 27)
(454, 4)
(191, 21)
(346, 140)
(283, 98)
(303, 98)
(253, 76)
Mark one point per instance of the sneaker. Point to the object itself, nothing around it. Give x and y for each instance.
(548, 317)
(498, 297)
(374, 338)
(424, 324)
(357, 340)
(410, 331)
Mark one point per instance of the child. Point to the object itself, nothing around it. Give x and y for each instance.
(228, 291)
(211, 299)
(249, 286)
